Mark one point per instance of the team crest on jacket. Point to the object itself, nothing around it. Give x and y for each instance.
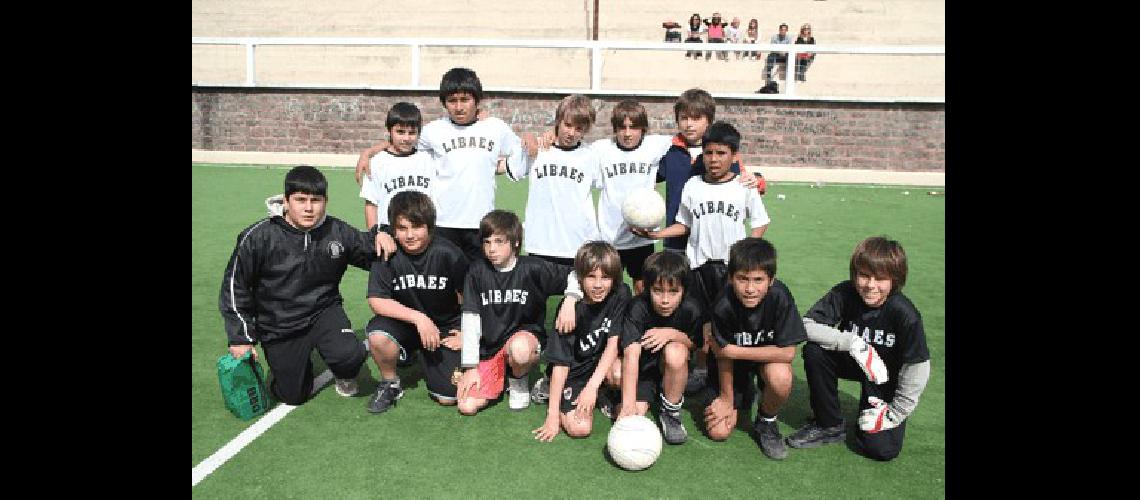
(567, 393)
(335, 249)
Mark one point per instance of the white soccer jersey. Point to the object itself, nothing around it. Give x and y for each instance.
(623, 171)
(465, 172)
(714, 214)
(391, 173)
(559, 215)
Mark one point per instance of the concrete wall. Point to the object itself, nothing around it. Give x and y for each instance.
(793, 134)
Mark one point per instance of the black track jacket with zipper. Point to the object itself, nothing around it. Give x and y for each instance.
(280, 278)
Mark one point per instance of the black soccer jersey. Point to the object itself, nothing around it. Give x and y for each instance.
(641, 317)
(594, 325)
(512, 300)
(894, 329)
(427, 282)
(773, 322)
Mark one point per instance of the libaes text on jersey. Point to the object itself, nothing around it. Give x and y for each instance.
(627, 168)
(503, 296)
(468, 142)
(405, 281)
(877, 337)
(754, 338)
(559, 171)
(591, 339)
(406, 181)
(716, 207)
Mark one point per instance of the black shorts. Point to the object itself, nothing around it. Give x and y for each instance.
(466, 239)
(557, 260)
(707, 281)
(570, 392)
(746, 382)
(649, 385)
(633, 260)
(438, 365)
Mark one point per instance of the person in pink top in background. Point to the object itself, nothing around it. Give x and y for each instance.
(716, 35)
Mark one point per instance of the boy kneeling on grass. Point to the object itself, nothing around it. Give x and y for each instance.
(755, 331)
(415, 296)
(584, 359)
(661, 328)
(504, 307)
(865, 329)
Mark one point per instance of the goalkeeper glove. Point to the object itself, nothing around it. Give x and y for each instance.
(276, 205)
(879, 417)
(868, 360)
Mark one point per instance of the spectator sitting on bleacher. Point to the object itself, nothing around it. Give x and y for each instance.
(732, 34)
(695, 30)
(672, 31)
(777, 57)
(716, 35)
(804, 59)
(751, 35)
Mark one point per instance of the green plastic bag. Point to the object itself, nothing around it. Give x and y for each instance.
(243, 386)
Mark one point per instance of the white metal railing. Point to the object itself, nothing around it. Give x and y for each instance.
(595, 47)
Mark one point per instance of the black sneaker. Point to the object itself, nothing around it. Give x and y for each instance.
(387, 393)
(812, 435)
(605, 403)
(771, 442)
(698, 379)
(540, 393)
(671, 427)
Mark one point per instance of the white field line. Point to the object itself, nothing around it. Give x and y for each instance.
(210, 464)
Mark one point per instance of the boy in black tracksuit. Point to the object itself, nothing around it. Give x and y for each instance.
(281, 288)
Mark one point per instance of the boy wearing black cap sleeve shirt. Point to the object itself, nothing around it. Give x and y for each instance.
(504, 310)
(661, 328)
(582, 360)
(416, 298)
(756, 327)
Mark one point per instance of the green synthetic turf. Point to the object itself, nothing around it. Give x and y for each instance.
(331, 447)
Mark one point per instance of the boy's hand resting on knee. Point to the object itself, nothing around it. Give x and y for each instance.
(470, 381)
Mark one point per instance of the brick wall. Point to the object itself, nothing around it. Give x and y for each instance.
(899, 137)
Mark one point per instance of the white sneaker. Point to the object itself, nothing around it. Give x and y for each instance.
(519, 389)
(346, 387)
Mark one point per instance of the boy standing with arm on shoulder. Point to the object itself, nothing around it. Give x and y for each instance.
(627, 162)
(416, 298)
(399, 167)
(560, 214)
(468, 151)
(756, 327)
(661, 328)
(865, 329)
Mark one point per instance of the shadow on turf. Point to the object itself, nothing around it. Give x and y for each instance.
(795, 413)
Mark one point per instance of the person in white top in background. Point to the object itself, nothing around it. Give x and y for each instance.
(732, 34)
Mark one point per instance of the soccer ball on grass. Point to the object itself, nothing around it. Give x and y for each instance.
(634, 442)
